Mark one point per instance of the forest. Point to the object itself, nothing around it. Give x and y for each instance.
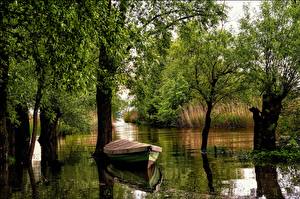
(63, 65)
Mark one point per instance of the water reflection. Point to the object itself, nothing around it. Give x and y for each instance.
(267, 184)
(143, 179)
(186, 172)
(106, 183)
(208, 173)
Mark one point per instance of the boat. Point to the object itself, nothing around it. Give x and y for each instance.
(132, 154)
(147, 180)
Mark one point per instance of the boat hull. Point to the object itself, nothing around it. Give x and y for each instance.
(139, 159)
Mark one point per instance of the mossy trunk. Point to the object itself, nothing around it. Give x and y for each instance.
(265, 122)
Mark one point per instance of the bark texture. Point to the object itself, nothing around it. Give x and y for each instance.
(265, 122)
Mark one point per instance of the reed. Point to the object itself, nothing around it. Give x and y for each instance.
(225, 115)
(131, 116)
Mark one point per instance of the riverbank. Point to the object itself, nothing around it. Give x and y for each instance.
(226, 115)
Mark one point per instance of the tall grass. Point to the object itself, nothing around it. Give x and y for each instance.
(226, 115)
(131, 116)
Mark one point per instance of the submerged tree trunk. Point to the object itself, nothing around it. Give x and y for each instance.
(103, 98)
(38, 98)
(3, 120)
(205, 130)
(265, 122)
(22, 134)
(48, 137)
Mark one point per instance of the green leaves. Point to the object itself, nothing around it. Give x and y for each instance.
(268, 47)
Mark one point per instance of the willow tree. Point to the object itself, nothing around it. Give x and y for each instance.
(270, 51)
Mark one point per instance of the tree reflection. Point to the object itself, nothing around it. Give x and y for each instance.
(32, 182)
(267, 184)
(208, 172)
(106, 184)
(16, 177)
(4, 186)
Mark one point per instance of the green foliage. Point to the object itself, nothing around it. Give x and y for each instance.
(278, 156)
(289, 121)
(269, 48)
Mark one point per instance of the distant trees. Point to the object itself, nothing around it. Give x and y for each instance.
(147, 83)
(270, 53)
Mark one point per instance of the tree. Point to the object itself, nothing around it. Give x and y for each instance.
(269, 47)
(210, 67)
(7, 31)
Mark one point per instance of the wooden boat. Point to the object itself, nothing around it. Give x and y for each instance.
(130, 153)
(148, 180)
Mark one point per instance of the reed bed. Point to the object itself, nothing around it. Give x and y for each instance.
(131, 116)
(226, 115)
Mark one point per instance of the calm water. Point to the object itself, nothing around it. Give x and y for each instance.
(186, 173)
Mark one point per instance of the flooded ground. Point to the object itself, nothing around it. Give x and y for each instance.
(186, 173)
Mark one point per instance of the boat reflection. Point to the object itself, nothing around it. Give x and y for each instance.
(143, 179)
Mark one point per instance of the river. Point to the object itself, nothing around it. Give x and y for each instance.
(184, 171)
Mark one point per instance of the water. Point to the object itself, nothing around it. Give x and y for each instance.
(186, 172)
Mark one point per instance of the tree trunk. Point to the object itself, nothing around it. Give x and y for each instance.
(103, 98)
(205, 130)
(22, 133)
(208, 173)
(106, 185)
(38, 98)
(34, 189)
(267, 184)
(48, 137)
(265, 122)
(257, 136)
(3, 120)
